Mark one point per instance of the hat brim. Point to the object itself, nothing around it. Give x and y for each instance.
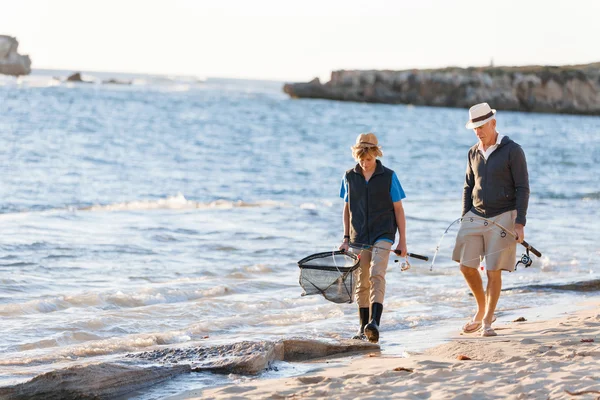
(365, 146)
(473, 125)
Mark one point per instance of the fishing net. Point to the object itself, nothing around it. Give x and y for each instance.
(329, 274)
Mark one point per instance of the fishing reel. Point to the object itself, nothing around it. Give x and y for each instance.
(405, 266)
(525, 260)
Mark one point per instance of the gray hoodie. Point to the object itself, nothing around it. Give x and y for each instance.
(498, 184)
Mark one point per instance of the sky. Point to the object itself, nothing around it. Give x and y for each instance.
(291, 40)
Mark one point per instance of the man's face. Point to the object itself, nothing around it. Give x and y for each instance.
(486, 132)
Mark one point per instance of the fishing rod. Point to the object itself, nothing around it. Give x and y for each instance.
(362, 246)
(503, 234)
(525, 258)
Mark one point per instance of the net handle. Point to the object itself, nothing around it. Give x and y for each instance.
(413, 255)
(397, 252)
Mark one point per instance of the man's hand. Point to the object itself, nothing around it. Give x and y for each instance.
(401, 250)
(520, 232)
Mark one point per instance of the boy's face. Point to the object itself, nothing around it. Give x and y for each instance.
(367, 162)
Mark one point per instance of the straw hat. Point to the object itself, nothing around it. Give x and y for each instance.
(366, 140)
(479, 114)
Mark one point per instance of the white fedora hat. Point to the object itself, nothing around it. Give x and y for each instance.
(479, 114)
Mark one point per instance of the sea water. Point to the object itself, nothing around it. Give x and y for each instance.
(172, 212)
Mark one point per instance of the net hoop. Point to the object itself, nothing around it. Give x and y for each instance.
(325, 277)
(329, 267)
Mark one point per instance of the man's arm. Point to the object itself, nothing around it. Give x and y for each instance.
(518, 169)
(467, 199)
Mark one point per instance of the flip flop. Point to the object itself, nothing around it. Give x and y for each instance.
(488, 331)
(474, 326)
(471, 326)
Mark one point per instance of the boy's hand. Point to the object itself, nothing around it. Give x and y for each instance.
(401, 250)
(344, 246)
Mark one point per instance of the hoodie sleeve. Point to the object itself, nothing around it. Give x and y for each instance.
(520, 175)
(467, 200)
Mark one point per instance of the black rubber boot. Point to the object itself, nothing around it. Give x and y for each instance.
(372, 328)
(363, 315)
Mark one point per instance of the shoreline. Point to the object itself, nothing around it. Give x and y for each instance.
(532, 359)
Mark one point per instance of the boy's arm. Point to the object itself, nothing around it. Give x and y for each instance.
(401, 222)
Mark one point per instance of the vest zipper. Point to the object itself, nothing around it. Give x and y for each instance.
(367, 211)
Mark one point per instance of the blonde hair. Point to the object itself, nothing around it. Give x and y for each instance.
(366, 144)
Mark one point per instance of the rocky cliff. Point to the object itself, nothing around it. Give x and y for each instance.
(11, 62)
(573, 89)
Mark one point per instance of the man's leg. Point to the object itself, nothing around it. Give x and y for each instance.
(492, 294)
(501, 254)
(467, 252)
(476, 285)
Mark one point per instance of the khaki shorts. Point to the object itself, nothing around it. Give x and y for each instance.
(476, 239)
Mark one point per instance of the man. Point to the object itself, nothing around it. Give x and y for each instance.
(496, 191)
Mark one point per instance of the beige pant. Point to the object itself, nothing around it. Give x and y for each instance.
(370, 275)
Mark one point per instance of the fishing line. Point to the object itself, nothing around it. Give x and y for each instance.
(525, 258)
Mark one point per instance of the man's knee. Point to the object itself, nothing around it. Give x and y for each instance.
(494, 275)
(468, 270)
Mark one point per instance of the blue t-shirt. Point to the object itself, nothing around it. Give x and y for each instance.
(396, 192)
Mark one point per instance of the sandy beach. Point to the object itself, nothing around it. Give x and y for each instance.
(546, 359)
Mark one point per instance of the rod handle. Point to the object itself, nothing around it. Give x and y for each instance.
(531, 248)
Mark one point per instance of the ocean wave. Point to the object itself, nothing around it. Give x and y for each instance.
(569, 196)
(179, 202)
(592, 196)
(61, 339)
(17, 264)
(107, 300)
(101, 347)
(579, 286)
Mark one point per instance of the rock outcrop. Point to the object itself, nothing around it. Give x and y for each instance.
(113, 380)
(566, 89)
(250, 358)
(76, 77)
(11, 62)
(94, 381)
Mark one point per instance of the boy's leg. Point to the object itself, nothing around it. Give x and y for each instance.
(379, 261)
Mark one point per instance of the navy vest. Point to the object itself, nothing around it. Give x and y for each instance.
(371, 208)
